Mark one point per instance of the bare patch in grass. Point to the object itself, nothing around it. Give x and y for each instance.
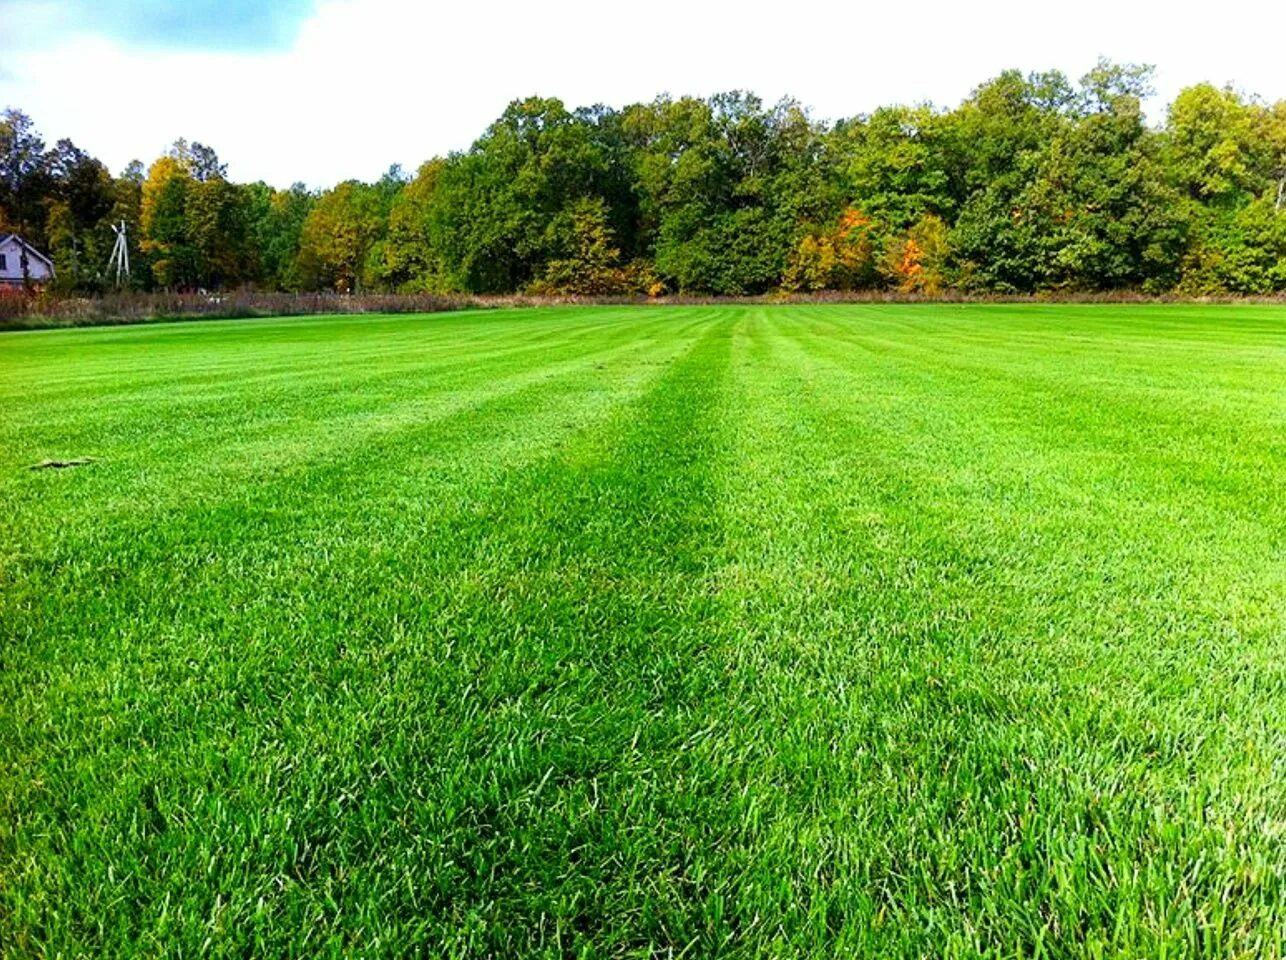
(61, 464)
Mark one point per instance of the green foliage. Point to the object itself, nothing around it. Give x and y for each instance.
(1212, 145)
(497, 211)
(197, 227)
(894, 165)
(409, 259)
(1242, 251)
(1039, 183)
(731, 252)
(723, 185)
(338, 236)
(590, 264)
(24, 176)
(276, 221)
(163, 217)
(217, 229)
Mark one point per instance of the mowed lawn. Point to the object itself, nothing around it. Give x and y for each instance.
(869, 631)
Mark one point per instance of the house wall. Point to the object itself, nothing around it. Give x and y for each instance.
(37, 269)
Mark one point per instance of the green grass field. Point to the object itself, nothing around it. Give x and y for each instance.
(872, 631)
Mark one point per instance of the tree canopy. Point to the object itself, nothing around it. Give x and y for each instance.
(1033, 183)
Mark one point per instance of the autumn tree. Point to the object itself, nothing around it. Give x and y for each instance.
(162, 217)
(915, 260)
(1033, 183)
(337, 236)
(590, 264)
(841, 258)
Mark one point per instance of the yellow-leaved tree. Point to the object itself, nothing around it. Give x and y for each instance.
(915, 261)
(840, 259)
(162, 219)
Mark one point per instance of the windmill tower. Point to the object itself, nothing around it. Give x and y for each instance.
(120, 255)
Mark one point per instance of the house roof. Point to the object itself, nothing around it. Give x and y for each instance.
(31, 251)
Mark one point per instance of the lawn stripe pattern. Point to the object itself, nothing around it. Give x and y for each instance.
(716, 631)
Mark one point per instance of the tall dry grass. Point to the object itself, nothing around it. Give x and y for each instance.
(22, 312)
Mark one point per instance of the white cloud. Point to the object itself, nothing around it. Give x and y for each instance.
(372, 82)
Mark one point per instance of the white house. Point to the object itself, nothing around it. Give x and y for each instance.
(21, 262)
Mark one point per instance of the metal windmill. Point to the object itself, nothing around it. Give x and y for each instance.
(120, 255)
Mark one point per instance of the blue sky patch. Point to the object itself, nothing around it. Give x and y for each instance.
(188, 24)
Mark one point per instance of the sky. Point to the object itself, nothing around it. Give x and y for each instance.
(325, 90)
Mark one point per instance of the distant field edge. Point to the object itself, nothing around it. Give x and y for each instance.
(38, 313)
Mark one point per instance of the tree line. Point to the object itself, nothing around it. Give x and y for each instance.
(1033, 183)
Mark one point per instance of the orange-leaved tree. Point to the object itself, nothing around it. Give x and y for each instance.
(915, 261)
(840, 259)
